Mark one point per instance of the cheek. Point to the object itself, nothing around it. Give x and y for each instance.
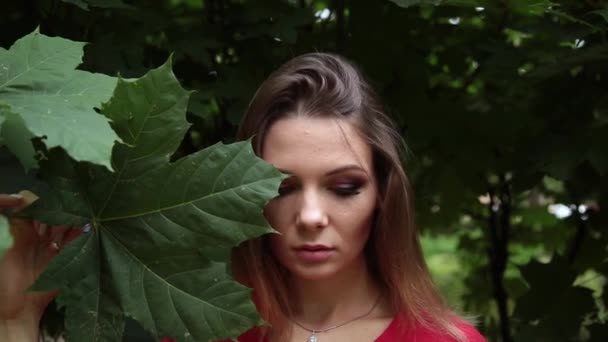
(276, 214)
(279, 249)
(356, 223)
(277, 243)
(358, 227)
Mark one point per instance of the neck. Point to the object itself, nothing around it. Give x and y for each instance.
(346, 295)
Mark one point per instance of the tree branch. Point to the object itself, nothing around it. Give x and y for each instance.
(579, 236)
(499, 221)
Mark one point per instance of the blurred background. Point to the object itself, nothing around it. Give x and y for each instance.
(503, 104)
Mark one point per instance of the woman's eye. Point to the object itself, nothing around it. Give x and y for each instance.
(346, 190)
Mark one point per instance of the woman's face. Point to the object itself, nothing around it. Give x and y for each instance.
(324, 211)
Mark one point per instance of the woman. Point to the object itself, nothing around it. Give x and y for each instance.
(347, 264)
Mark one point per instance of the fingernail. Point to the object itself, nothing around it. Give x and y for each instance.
(55, 245)
(42, 229)
(17, 196)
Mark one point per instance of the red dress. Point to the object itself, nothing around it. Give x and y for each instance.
(395, 332)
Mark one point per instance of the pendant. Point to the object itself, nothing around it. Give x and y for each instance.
(312, 338)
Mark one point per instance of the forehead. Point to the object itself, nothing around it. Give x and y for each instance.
(315, 144)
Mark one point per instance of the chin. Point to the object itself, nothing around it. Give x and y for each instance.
(318, 271)
(312, 275)
(313, 272)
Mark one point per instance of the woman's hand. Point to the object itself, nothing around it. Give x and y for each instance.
(34, 245)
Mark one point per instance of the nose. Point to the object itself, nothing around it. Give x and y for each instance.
(311, 213)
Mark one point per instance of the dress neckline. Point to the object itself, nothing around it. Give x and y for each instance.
(387, 334)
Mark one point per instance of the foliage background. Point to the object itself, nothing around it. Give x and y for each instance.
(503, 103)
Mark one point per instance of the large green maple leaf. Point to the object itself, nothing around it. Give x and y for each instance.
(85, 4)
(42, 95)
(161, 232)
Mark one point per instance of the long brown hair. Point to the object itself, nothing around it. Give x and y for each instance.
(326, 85)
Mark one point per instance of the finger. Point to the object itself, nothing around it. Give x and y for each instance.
(56, 237)
(71, 235)
(42, 229)
(23, 231)
(57, 232)
(12, 201)
(17, 201)
(28, 197)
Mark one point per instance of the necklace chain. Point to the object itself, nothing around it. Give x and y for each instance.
(315, 331)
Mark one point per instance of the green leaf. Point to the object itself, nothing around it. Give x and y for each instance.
(285, 26)
(3, 113)
(554, 277)
(13, 132)
(182, 294)
(84, 4)
(6, 239)
(598, 152)
(548, 282)
(531, 7)
(459, 3)
(282, 26)
(39, 83)
(603, 13)
(410, 3)
(91, 314)
(162, 232)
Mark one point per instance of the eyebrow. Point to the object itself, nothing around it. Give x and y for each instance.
(353, 167)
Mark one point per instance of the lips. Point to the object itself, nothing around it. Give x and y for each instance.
(314, 253)
(313, 248)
